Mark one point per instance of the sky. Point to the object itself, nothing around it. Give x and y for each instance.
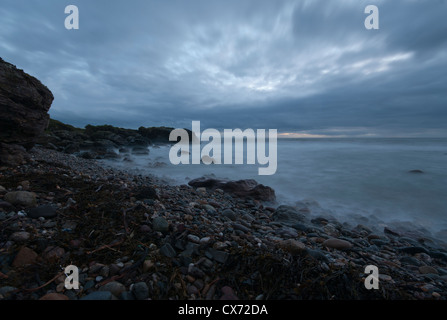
(305, 68)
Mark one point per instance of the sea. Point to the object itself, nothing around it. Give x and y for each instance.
(355, 180)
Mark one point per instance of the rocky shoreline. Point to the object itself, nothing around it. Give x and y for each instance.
(137, 237)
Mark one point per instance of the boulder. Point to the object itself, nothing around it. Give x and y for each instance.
(288, 215)
(22, 198)
(24, 105)
(248, 188)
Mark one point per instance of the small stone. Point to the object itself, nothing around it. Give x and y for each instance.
(229, 214)
(24, 257)
(147, 265)
(114, 287)
(168, 251)
(228, 294)
(201, 190)
(385, 277)
(25, 185)
(54, 296)
(219, 256)
(436, 295)
(6, 292)
(160, 224)
(53, 253)
(337, 244)
(140, 291)
(46, 211)
(427, 270)
(60, 287)
(205, 240)
(292, 246)
(209, 209)
(23, 198)
(20, 236)
(145, 228)
(193, 238)
(191, 289)
(241, 227)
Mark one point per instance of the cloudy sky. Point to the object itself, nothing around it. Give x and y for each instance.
(309, 67)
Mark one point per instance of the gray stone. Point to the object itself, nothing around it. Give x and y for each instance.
(168, 251)
(46, 211)
(316, 254)
(427, 270)
(229, 214)
(238, 226)
(410, 261)
(338, 244)
(20, 236)
(23, 198)
(6, 292)
(160, 224)
(113, 287)
(288, 215)
(140, 291)
(209, 209)
(219, 256)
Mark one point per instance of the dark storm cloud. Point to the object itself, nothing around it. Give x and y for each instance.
(299, 66)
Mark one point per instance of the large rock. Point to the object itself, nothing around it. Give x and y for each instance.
(24, 105)
(288, 215)
(23, 198)
(248, 188)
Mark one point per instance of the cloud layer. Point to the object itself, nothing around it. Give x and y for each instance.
(298, 66)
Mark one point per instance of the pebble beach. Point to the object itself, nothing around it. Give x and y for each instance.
(135, 237)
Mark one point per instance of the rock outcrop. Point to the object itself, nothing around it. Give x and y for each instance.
(248, 188)
(24, 105)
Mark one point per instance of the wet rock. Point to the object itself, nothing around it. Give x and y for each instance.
(20, 236)
(229, 214)
(338, 244)
(46, 211)
(228, 294)
(427, 270)
(22, 198)
(292, 246)
(140, 291)
(160, 224)
(193, 238)
(219, 256)
(25, 256)
(410, 261)
(317, 254)
(168, 251)
(4, 205)
(288, 215)
(114, 287)
(416, 171)
(146, 192)
(242, 188)
(53, 253)
(6, 292)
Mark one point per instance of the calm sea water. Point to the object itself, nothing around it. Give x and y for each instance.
(347, 178)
